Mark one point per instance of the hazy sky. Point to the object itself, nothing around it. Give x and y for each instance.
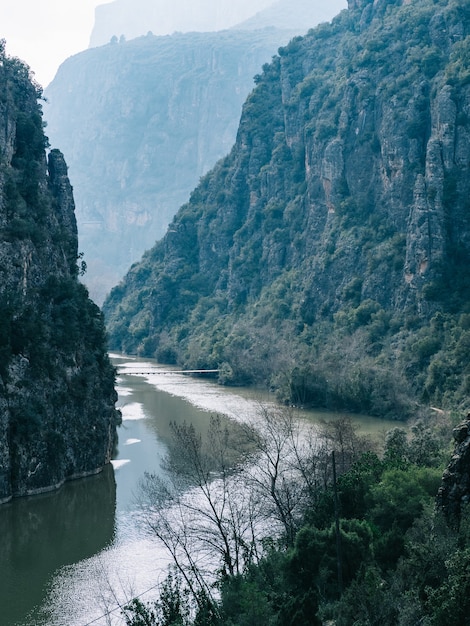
(45, 32)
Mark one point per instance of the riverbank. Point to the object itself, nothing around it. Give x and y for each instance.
(72, 556)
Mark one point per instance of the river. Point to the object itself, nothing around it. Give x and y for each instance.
(69, 558)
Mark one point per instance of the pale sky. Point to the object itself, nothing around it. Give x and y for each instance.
(43, 33)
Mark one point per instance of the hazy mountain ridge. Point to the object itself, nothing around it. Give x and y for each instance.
(57, 417)
(136, 18)
(328, 253)
(300, 14)
(139, 123)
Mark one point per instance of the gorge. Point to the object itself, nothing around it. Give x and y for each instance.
(140, 121)
(325, 258)
(327, 254)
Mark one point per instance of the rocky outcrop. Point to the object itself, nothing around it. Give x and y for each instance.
(454, 494)
(57, 416)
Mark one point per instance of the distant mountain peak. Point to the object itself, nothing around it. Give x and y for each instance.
(294, 14)
(135, 18)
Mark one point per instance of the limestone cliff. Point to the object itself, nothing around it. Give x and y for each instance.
(141, 121)
(329, 253)
(57, 416)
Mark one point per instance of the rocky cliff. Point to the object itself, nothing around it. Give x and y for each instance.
(328, 253)
(142, 121)
(57, 417)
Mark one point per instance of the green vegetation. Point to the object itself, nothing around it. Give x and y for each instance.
(370, 548)
(56, 381)
(327, 255)
(333, 245)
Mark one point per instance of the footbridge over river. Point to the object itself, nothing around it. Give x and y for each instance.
(159, 371)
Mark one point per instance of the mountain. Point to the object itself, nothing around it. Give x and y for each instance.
(137, 17)
(296, 14)
(328, 254)
(133, 18)
(140, 122)
(57, 416)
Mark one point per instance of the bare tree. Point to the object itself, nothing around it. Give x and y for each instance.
(341, 435)
(293, 464)
(289, 469)
(271, 477)
(224, 494)
(201, 511)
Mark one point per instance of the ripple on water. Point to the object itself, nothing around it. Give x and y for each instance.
(98, 586)
(209, 396)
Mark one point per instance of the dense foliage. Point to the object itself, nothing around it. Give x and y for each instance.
(57, 417)
(327, 255)
(369, 549)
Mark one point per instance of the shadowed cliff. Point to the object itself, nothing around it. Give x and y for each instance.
(57, 416)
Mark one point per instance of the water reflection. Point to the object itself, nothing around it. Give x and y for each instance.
(239, 403)
(145, 432)
(61, 553)
(42, 534)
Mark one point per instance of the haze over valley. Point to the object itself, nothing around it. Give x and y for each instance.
(266, 421)
(160, 112)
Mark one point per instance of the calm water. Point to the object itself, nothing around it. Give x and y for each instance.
(70, 558)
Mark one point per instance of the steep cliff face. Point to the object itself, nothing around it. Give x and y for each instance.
(142, 121)
(454, 494)
(329, 252)
(57, 417)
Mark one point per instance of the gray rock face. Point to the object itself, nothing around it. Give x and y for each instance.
(57, 416)
(454, 493)
(140, 123)
(344, 199)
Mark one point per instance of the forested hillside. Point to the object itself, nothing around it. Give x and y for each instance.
(57, 416)
(140, 123)
(312, 531)
(328, 254)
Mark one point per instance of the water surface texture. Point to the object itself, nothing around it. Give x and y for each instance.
(71, 557)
